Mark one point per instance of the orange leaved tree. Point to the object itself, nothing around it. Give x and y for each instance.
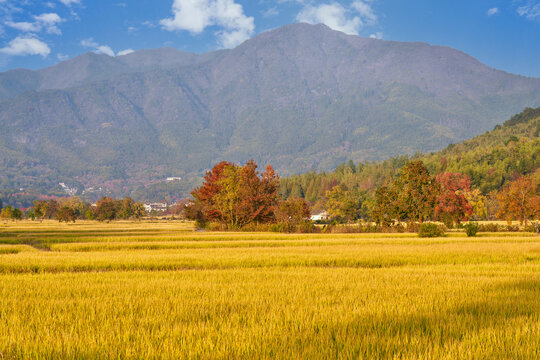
(452, 205)
(236, 195)
(519, 200)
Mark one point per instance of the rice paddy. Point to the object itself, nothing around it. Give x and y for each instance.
(164, 291)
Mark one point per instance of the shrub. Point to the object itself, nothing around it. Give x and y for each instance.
(471, 229)
(211, 226)
(532, 227)
(512, 228)
(306, 227)
(431, 230)
(490, 227)
(413, 227)
(279, 227)
(398, 228)
(90, 215)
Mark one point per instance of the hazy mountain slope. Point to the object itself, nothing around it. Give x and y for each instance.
(91, 67)
(16, 82)
(299, 97)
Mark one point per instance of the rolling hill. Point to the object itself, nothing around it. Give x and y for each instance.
(490, 160)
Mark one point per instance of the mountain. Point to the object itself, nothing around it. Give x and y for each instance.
(300, 97)
(490, 160)
(92, 67)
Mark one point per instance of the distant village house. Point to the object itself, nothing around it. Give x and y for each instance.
(320, 216)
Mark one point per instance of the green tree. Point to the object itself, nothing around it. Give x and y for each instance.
(6, 213)
(11, 213)
(76, 207)
(17, 214)
(127, 210)
(293, 211)
(478, 203)
(416, 192)
(66, 214)
(41, 207)
(106, 209)
(30, 214)
(139, 211)
(228, 198)
(384, 209)
(90, 214)
(343, 205)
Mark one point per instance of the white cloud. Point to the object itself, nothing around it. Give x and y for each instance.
(62, 57)
(334, 15)
(50, 21)
(125, 52)
(24, 26)
(149, 24)
(103, 49)
(366, 12)
(90, 43)
(21, 46)
(492, 11)
(530, 11)
(270, 12)
(70, 2)
(196, 15)
(377, 35)
(46, 21)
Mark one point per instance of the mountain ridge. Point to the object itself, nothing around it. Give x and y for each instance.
(300, 97)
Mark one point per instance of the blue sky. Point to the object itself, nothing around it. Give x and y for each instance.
(504, 34)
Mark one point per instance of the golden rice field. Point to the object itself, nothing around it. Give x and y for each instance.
(163, 291)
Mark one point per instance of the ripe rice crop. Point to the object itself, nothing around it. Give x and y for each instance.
(162, 291)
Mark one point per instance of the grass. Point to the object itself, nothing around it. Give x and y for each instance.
(160, 290)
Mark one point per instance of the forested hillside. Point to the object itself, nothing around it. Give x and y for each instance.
(490, 160)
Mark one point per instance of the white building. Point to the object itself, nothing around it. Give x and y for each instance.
(156, 207)
(320, 216)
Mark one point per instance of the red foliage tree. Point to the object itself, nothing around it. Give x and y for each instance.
(205, 195)
(519, 200)
(236, 195)
(258, 195)
(452, 205)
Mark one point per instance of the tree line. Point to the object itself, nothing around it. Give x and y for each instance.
(415, 195)
(238, 196)
(73, 208)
